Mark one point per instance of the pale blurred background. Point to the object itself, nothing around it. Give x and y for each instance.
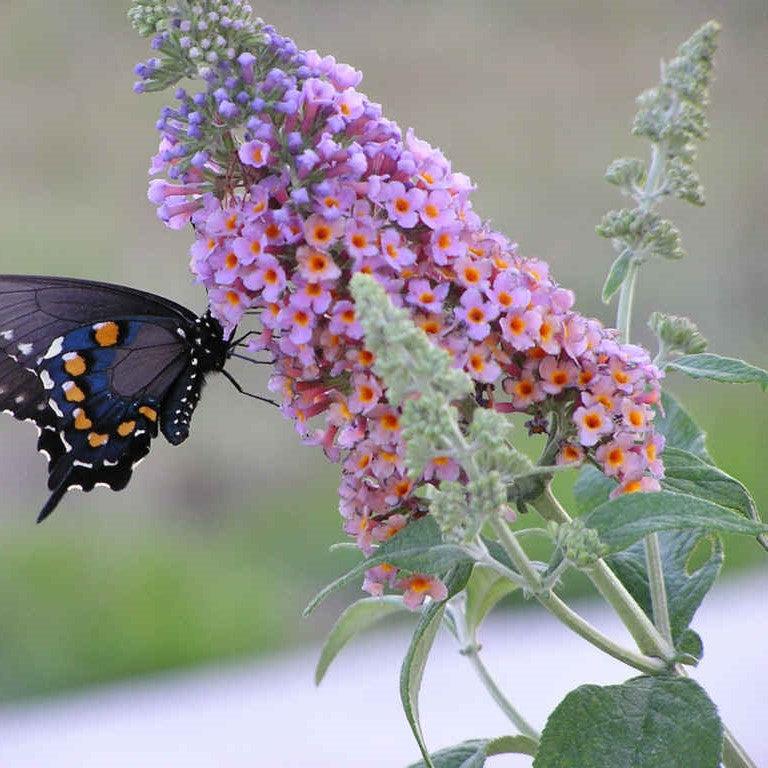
(217, 545)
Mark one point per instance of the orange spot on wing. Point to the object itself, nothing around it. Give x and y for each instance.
(74, 365)
(149, 413)
(106, 334)
(73, 393)
(82, 422)
(126, 428)
(95, 440)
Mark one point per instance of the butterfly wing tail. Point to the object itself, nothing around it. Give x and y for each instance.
(54, 499)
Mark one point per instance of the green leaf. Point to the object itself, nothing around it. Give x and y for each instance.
(484, 591)
(616, 274)
(725, 369)
(412, 671)
(686, 589)
(679, 429)
(358, 617)
(690, 645)
(648, 722)
(417, 547)
(626, 519)
(687, 473)
(591, 488)
(472, 754)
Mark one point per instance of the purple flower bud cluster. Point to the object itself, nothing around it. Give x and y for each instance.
(322, 186)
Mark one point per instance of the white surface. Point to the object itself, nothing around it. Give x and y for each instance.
(270, 715)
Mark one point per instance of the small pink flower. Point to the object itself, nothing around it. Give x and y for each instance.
(592, 423)
(635, 417)
(618, 459)
(524, 391)
(395, 251)
(268, 277)
(422, 294)
(251, 246)
(442, 468)
(643, 484)
(473, 273)
(360, 240)
(651, 452)
(477, 314)
(436, 209)
(254, 153)
(480, 365)
(366, 392)
(418, 588)
(403, 205)
(316, 265)
(521, 328)
(507, 294)
(344, 320)
(299, 321)
(556, 374)
(321, 232)
(570, 453)
(447, 244)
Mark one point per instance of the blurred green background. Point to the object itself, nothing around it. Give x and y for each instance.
(218, 544)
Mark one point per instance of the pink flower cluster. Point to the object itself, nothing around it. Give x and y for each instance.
(324, 186)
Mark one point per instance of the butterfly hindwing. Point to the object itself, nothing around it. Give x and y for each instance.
(99, 368)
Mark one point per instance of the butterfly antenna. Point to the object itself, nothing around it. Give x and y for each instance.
(237, 386)
(251, 359)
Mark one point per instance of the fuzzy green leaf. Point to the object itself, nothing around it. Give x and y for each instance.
(358, 617)
(728, 370)
(647, 722)
(473, 754)
(685, 590)
(687, 473)
(591, 488)
(416, 548)
(412, 671)
(679, 429)
(484, 591)
(628, 518)
(616, 275)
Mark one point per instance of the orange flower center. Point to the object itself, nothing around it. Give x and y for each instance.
(476, 315)
(593, 421)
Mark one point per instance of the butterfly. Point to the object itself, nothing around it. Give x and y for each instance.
(100, 369)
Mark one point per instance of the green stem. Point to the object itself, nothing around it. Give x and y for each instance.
(569, 617)
(657, 586)
(471, 650)
(646, 635)
(498, 696)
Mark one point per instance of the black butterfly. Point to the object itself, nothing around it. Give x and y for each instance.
(99, 368)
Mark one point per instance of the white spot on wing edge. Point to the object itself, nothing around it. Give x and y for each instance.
(25, 349)
(46, 379)
(7, 335)
(54, 349)
(55, 408)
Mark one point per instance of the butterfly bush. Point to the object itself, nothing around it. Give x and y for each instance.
(293, 180)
